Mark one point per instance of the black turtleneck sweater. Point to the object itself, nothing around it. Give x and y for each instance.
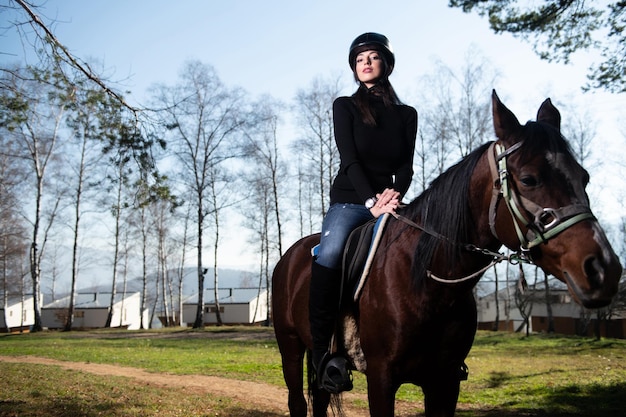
(372, 157)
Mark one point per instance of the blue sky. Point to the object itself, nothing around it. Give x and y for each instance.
(279, 46)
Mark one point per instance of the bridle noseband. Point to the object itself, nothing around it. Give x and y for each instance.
(545, 223)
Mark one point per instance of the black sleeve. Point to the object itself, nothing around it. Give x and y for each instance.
(343, 119)
(404, 174)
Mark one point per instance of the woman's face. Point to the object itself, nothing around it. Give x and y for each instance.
(369, 67)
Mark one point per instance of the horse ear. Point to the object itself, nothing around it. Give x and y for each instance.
(549, 114)
(504, 121)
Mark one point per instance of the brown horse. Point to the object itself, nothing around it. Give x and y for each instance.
(416, 315)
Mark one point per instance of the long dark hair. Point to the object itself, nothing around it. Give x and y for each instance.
(383, 89)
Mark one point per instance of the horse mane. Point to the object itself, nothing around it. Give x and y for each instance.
(443, 208)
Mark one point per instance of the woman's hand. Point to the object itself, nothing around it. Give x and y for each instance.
(388, 202)
(387, 196)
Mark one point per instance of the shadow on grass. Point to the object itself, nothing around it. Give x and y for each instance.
(570, 401)
(59, 408)
(70, 408)
(497, 379)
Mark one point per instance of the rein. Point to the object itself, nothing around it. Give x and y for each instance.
(497, 257)
(546, 222)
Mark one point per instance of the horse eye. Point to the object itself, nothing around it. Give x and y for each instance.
(529, 181)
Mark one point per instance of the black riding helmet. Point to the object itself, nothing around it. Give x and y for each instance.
(371, 40)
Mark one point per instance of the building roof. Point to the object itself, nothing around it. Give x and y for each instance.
(227, 296)
(88, 300)
(16, 299)
(554, 284)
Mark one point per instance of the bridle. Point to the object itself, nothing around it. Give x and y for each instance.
(545, 223)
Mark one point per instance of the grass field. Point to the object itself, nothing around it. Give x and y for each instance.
(510, 375)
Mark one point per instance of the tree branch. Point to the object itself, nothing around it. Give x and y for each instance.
(62, 52)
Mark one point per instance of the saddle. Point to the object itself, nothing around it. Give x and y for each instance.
(358, 254)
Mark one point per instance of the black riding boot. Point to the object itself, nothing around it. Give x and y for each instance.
(323, 311)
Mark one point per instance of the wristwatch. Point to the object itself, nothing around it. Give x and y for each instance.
(369, 203)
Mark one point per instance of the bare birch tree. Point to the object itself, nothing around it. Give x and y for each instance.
(307, 204)
(267, 173)
(266, 165)
(204, 118)
(85, 119)
(161, 212)
(320, 157)
(143, 227)
(118, 208)
(13, 237)
(180, 275)
(456, 117)
(33, 107)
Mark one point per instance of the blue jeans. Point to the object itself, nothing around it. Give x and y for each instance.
(340, 220)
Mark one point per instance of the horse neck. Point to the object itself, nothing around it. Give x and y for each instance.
(481, 195)
(460, 201)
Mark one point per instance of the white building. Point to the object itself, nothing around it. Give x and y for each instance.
(17, 315)
(502, 310)
(568, 317)
(91, 311)
(237, 306)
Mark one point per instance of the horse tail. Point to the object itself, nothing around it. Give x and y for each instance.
(310, 376)
(336, 401)
(336, 405)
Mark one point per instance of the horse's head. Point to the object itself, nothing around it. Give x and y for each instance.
(549, 214)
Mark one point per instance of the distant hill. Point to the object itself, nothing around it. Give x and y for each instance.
(228, 278)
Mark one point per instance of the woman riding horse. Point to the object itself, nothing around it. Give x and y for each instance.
(415, 318)
(375, 136)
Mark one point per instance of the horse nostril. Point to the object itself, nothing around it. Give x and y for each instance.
(594, 271)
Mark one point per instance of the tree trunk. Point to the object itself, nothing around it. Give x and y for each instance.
(116, 250)
(199, 322)
(550, 317)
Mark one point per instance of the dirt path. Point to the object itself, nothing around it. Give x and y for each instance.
(265, 396)
(262, 396)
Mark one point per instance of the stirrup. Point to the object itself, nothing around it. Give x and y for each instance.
(333, 374)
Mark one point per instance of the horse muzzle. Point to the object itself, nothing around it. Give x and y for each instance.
(599, 283)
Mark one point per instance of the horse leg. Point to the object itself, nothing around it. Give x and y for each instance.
(440, 397)
(381, 391)
(292, 353)
(321, 400)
